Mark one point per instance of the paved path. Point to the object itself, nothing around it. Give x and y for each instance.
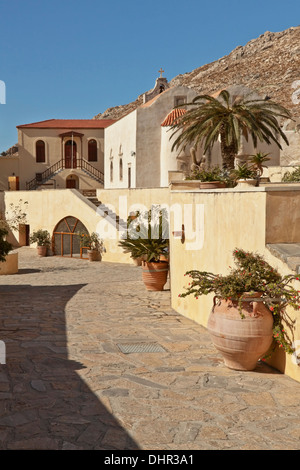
(67, 384)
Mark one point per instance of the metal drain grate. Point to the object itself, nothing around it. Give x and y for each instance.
(128, 348)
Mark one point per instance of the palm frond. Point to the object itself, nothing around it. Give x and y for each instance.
(210, 118)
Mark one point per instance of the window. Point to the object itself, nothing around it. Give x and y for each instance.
(179, 100)
(111, 171)
(121, 169)
(92, 150)
(40, 151)
(66, 238)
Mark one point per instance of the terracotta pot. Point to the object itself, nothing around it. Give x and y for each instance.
(212, 184)
(245, 183)
(155, 274)
(94, 255)
(242, 341)
(42, 250)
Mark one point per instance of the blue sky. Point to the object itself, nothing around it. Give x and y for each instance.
(74, 59)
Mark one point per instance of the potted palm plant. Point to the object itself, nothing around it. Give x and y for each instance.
(148, 239)
(94, 244)
(249, 308)
(257, 160)
(244, 176)
(42, 239)
(209, 178)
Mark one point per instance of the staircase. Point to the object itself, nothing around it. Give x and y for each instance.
(110, 216)
(57, 167)
(103, 210)
(289, 253)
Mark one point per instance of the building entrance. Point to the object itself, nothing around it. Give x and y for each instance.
(70, 154)
(66, 238)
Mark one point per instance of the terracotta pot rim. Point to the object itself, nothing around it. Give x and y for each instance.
(245, 295)
(251, 294)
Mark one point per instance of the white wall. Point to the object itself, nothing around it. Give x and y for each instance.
(149, 119)
(120, 142)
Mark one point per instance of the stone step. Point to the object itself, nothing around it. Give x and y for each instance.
(289, 253)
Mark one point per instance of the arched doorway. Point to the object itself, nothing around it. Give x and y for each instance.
(72, 181)
(66, 239)
(70, 150)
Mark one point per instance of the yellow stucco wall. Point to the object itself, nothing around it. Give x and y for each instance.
(47, 207)
(231, 219)
(127, 199)
(283, 216)
(8, 166)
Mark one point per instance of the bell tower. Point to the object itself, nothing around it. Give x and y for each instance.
(161, 84)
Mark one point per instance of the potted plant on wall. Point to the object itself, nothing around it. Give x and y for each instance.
(244, 176)
(292, 177)
(148, 239)
(257, 160)
(94, 244)
(249, 308)
(209, 178)
(42, 239)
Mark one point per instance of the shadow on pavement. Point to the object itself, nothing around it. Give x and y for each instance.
(44, 404)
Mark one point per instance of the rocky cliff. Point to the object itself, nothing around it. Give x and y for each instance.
(269, 65)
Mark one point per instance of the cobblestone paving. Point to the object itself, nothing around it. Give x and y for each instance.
(66, 383)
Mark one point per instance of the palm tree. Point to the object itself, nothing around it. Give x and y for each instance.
(210, 119)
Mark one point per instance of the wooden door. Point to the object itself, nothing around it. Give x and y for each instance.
(71, 183)
(69, 147)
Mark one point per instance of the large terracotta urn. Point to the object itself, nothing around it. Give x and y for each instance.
(242, 337)
(155, 274)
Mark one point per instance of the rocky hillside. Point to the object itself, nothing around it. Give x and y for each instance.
(11, 152)
(269, 64)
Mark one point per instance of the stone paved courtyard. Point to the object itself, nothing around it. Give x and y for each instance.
(67, 384)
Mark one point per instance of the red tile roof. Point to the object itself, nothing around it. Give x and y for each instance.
(172, 116)
(70, 124)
